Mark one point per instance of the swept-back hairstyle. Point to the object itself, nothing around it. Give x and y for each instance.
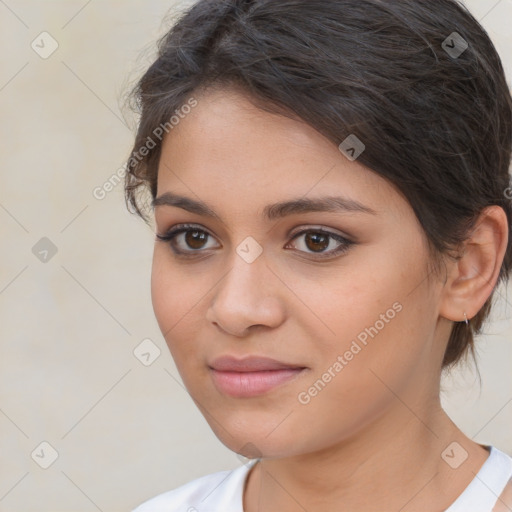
(432, 108)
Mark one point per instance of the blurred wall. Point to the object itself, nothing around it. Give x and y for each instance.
(85, 424)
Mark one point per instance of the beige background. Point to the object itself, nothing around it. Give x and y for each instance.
(122, 431)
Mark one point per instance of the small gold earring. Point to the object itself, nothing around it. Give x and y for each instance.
(466, 318)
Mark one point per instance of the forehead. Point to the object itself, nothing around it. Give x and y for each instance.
(227, 151)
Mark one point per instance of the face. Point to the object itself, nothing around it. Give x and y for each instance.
(339, 296)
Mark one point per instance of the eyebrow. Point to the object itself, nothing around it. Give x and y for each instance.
(271, 211)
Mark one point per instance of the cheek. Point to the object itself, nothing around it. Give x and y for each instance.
(364, 320)
(175, 299)
(355, 382)
(342, 304)
(163, 299)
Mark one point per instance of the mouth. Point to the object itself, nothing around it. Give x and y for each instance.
(252, 376)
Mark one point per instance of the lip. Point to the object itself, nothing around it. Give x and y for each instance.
(250, 364)
(251, 376)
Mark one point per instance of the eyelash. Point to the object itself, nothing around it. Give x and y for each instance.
(170, 235)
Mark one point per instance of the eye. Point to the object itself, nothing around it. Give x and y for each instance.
(194, 239)
(321, 242)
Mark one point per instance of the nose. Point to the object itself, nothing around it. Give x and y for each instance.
(246, 297)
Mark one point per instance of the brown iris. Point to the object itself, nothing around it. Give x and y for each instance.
(195, 239)
(317, 239)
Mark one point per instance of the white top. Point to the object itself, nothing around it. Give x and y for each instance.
(223, 491)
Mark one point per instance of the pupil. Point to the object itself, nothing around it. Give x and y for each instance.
(317, 238)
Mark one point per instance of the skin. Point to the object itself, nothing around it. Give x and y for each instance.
(372, 439)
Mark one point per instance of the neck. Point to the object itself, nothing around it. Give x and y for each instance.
(393, 464)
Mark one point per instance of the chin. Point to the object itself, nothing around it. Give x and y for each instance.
(253, 442)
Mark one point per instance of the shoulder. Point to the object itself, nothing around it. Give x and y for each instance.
(216, 490)
(504, 501)
(499, 480)
(487, 492)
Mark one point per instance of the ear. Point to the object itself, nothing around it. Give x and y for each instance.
(472, 278)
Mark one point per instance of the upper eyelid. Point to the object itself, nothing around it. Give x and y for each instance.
(183, 227)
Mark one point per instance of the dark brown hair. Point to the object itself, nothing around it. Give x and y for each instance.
(436, 124)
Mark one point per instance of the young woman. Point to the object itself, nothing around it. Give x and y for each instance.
(330, 189)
